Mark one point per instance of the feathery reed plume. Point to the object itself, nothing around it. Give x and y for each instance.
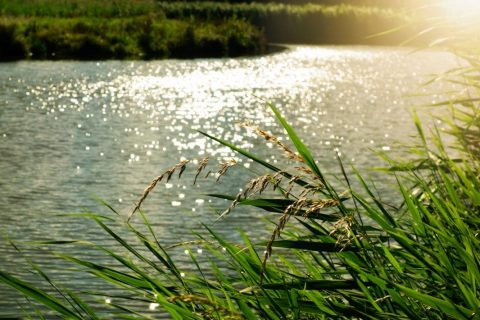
(314, 206)
(277, 179)
(254, 186)
(181, 166)
(309, 173)
(343, 229)
(201, 166)
(224, 166)
(317, 205)
(289, 153)
(290, 185)
(292, 209)
(232, 205)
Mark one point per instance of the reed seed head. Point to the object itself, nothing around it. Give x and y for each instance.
(289, 153)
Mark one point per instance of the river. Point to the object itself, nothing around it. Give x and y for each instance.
(71, 132)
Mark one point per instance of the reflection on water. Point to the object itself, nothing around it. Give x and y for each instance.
(70, 131)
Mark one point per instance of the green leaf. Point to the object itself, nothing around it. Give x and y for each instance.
(301, 148)
(277, 206)
(313, 246)
(38, 295)
(445, 306)
(313, 285)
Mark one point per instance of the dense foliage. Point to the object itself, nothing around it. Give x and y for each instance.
(53, 29)
(116, 8)
(133, 38)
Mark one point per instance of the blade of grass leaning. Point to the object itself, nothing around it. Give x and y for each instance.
(169, 261)
(110, 274)
(443, 305)
(38, 295)
(313, 285)
(277, 206)
(301, 148)
(313, 246)
(63, 293)
(83, 305)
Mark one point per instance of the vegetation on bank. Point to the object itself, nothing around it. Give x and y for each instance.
(77, 8)
(58, 29)
(126, 8)
(308, 23)
(142, 37)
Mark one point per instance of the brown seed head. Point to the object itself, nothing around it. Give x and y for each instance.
(270, 137)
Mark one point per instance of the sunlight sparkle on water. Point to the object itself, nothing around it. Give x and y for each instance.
(153, 306)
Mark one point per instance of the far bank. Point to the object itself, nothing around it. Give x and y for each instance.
(185, 29)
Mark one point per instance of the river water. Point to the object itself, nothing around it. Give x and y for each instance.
(72, 131)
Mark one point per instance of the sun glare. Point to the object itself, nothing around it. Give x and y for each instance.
(463, 11)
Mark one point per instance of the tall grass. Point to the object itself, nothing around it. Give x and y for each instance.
(125, 8)
(175, 9)
(77, 8)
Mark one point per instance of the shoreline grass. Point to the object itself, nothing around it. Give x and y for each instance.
(143, 37)
(147, 29)
(126, 8)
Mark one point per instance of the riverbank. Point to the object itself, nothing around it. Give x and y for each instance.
(93, 30)
(143, 37)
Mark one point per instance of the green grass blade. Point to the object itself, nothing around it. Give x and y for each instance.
(313, 285)
(313, 246)
(38, 295)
